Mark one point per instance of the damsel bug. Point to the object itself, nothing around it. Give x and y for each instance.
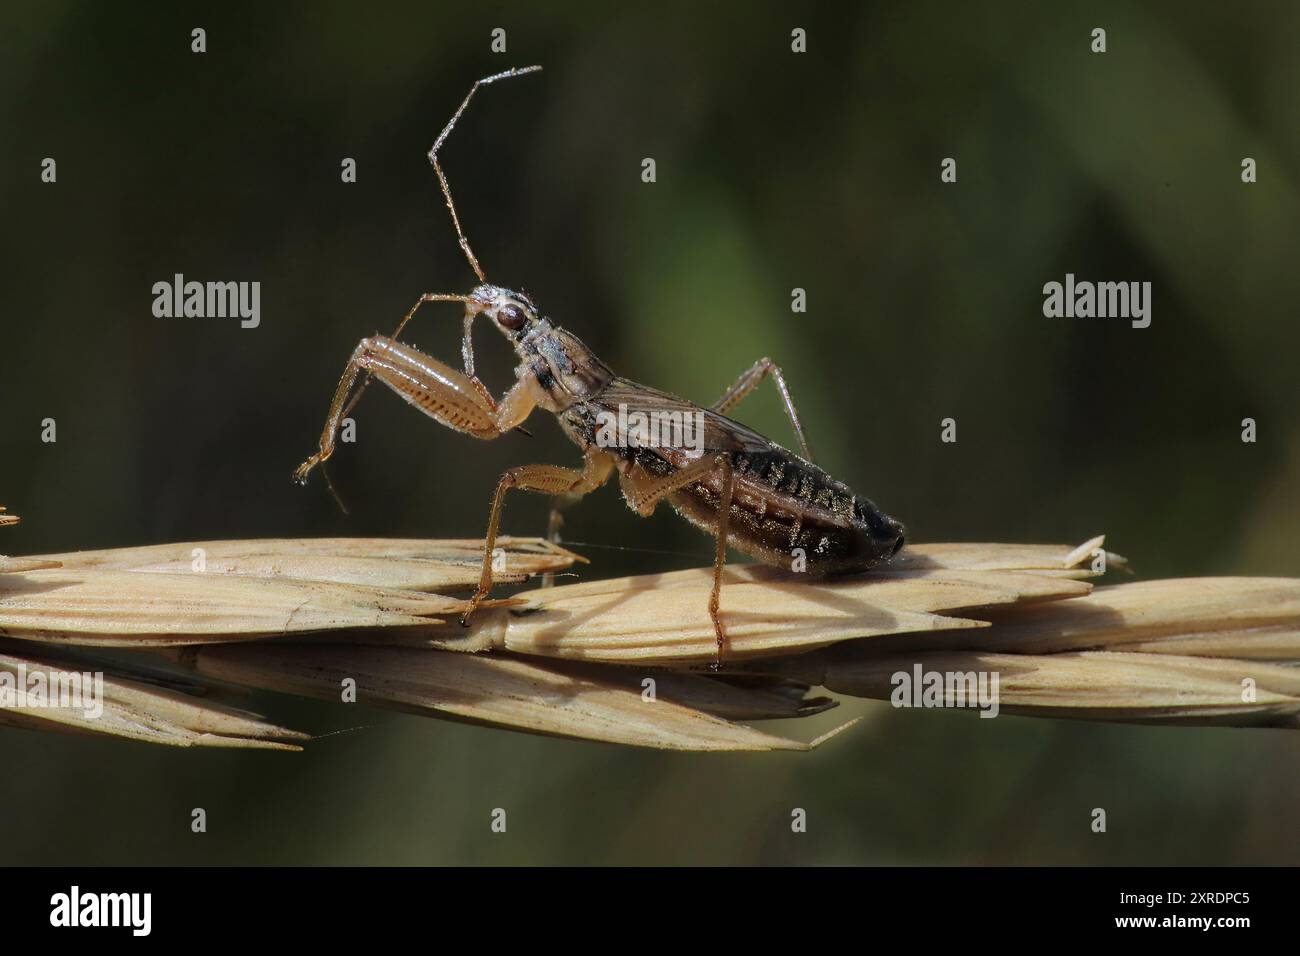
(721, 476)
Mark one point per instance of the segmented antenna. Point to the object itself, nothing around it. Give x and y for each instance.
(442, 177)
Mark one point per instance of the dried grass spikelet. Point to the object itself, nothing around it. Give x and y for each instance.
(247, 590)
(506, 691)
(1098, 685)
(137, 709)
(659, 619)
(1191, 650)
(414, 564)
(9, 565)
(301, 616)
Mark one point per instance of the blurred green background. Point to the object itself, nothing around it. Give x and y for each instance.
(775, 170)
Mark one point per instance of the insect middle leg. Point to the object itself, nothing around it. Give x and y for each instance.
(644, 491)
(444, 394)
(553, 525)
(746, 384)
(546, 479)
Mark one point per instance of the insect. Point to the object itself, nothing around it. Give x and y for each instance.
(725, 478)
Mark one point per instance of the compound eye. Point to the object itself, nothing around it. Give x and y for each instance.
(511, 317)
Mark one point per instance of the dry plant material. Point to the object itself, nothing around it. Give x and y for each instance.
(485, 688)
(1049, 559)
(1091, 685)
(656, 619)
(248, 590)
(12, 565)
(1189, 650)
(126, 609)
(117, 706)
(1168, 616)
(625, 660)
(413, 563)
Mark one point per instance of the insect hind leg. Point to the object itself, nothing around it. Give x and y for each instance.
(747, 382)
(720, 560)
(644, 492)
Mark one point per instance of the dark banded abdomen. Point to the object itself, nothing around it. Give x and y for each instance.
(781, 503)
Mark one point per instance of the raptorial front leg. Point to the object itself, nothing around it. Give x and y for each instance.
(746, 384)
(546, 479)
(467, 355)
(444, 394)
(644, 491)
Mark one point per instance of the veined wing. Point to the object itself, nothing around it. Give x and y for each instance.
(630, 409)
